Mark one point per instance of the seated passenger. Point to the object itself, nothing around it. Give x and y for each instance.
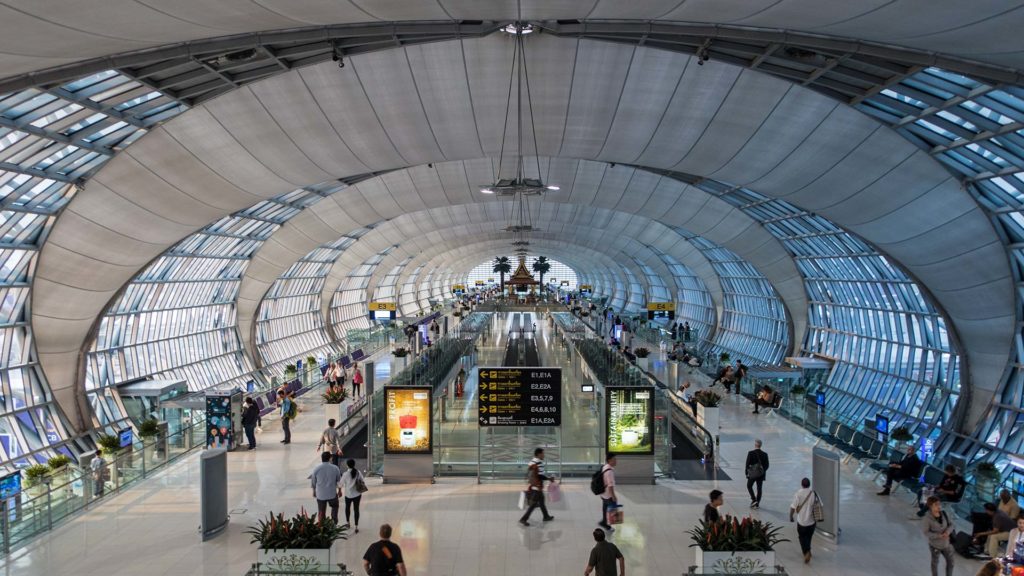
(950, 489)
(766, 398)
(908, 467)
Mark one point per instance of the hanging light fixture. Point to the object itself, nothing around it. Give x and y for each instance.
(512, 180)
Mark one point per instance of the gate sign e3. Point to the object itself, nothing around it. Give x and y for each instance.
(525, 396)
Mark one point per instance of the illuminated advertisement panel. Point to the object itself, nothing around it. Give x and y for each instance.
(630, 420)
(407, 430)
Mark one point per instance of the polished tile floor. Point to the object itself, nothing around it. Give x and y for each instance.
(457, 527)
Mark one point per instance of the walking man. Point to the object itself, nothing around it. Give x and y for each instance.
(98, 466)
(330, 442)
(287, 412)
(802, 509)
(608, 497)
(326, 483)
(250, 419)
(603, 557)
(535, 489)
(384, 557)
(756, 470)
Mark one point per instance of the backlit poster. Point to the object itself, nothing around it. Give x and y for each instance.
(219, 431)
(630, 420)
(407, 429)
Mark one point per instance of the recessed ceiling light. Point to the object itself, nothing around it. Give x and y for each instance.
(553, 187)
(487, 191)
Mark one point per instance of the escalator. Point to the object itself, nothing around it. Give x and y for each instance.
(521, 349)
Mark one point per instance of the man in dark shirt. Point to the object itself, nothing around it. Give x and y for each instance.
(756, 459)
(908, 467)
(384, 557)
(603, 557)
(1002, 524)
(950, 489)
(250, 419)
(711, 508)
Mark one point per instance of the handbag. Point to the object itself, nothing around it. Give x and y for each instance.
(756, 470)
(361, 485)
(817, 509)
(554, 492)
(522, 500)
(614, 514)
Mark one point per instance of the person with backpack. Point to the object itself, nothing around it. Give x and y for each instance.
(602, 484)
(756, 469)
(330, 442)
(938, 529)
(802, 510)
(384, 557)
(535, 478)
(288, 412)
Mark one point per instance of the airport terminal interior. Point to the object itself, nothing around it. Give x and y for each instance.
(487, 256)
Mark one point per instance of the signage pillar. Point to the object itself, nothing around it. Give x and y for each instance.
(630, 433)
(408, 434)
(368, 370)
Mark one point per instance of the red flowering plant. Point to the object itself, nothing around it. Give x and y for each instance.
(302, 531)
(730, 534)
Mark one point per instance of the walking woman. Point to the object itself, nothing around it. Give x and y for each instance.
(937, 528)
(351, 482)
(357, 380)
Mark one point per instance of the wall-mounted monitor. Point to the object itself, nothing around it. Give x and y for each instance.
(10, 485)
(124, 437)
(882, 424)
(819, 398)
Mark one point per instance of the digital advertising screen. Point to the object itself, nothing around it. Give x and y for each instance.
(819, 398)
(10, 485)
(219, 433)
(124, 437)
(630, 420)
(407, 429)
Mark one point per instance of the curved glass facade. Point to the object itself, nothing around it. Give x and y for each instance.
(693, 301)
(890, 346)
(50, 139)
(753, 327)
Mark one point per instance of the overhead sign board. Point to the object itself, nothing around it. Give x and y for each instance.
(458, 288)
(661, 306)
(520, 396)
(478, 283)
(383, 306)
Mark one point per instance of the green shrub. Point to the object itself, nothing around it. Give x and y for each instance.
(734, 535)
(902, 434)
(108, 444)
(641, 352)
(798, 390)
(707, 398)
(35, 474)
(986, 470)
(400, 352)
(58, 462)
(302, 532)
(149, 428)
(334, 395)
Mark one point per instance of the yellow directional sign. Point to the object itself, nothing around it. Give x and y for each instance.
(656, 306)
(388, 306)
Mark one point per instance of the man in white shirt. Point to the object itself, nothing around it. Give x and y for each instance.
(802, 509)
(326, 484)
(608, 497)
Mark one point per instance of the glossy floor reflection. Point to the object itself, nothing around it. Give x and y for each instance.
(459, 528)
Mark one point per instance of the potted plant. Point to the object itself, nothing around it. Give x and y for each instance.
(149, 429)
(401, 354)
(902, 434)
(289, 372)
(707, 410)
(724, 358)
(300, 544)
(798, 390)
(58, 466)
(734, 546)
(336, 402)
(986, 480)
(109, 444)
(641, 354)
(35, 479)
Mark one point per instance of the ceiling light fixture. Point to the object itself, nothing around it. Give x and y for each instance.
(487, 191)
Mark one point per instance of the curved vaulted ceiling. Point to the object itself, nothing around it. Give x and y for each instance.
(595, 104)
(44, 33)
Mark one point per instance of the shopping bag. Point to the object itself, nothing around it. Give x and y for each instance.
(614, 514)
(554, 492)
(522, 500)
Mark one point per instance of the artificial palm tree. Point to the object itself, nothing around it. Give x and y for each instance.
(541, 265)
(502, 266)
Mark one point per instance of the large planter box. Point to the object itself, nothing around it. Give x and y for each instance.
(398, 364)
(643, 363)
(335, 411)
(735, 562)
(708, 418)
(300, 561)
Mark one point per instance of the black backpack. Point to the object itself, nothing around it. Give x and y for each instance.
(597, 482)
